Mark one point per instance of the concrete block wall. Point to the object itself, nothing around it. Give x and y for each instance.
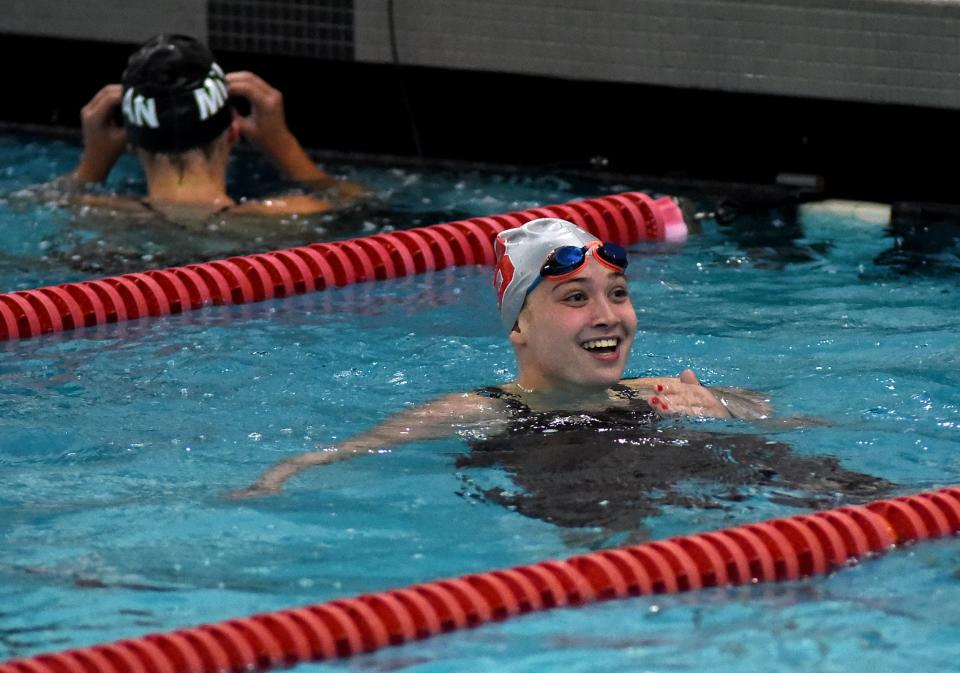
(103, 20)
(877, 51)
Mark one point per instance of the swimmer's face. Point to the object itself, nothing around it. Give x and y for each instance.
(574, 335)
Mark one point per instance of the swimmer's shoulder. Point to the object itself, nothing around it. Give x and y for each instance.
(277, 206)
(477, 404)
(458, 408)
(295, 204)
(125, 205)
(190, 212)
(112, 202)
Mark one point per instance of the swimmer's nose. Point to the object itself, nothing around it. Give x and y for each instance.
(604, 314)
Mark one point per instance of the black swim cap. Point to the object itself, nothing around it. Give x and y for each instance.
(174, 95)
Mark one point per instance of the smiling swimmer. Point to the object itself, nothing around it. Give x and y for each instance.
(564, 302)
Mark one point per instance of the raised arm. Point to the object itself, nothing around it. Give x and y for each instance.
(103, 139)
(266, 127)
(435, 419)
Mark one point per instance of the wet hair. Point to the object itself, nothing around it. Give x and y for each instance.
(174, 96)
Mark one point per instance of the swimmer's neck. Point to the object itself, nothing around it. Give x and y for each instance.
(189, 190)
(552, 398)
(194, 180)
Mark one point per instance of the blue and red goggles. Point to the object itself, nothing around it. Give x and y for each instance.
(568, 259)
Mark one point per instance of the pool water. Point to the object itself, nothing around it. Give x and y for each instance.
(120, 441)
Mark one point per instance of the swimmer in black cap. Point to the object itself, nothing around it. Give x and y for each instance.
(177, 117)
(587, 447)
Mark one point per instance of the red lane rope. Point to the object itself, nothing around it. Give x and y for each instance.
(781, 549)
(622, 218)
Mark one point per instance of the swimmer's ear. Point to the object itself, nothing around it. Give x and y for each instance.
(518, 336)
(240, 106)
(116, 116)
(233, 132)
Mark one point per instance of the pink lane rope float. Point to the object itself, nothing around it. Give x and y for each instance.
(781, 549)
(621, 218)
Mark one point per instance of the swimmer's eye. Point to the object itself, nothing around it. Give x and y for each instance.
(577, 297)
(620, 293)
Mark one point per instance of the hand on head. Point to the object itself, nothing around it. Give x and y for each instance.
(103, 139)
(266, 125)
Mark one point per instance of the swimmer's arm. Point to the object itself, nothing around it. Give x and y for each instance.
(103, 140)
(266, 127)
(684, 395)
(432, 420)
(294, 162)
(743, 403)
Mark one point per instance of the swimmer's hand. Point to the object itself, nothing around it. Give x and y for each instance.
(271, 481)
(103, 139)
(254, 490)
(266, 127)
(684, 395)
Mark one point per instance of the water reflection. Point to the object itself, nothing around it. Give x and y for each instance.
(926, 240)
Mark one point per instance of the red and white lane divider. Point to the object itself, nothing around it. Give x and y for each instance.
(621, 218)
(781, 549)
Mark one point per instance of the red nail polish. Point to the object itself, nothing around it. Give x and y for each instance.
(664, 407)
(654, 401)
(659, 387)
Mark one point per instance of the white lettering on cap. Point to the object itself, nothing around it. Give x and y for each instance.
(212, 95)
(140, 111)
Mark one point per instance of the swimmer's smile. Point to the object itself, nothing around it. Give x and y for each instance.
(604, 349)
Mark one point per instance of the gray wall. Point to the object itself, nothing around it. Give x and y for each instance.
(103, 20)
(883, 51)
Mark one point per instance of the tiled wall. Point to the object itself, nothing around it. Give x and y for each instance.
(887, 51)
(313, 28)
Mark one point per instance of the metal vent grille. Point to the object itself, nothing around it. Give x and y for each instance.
(315, 28)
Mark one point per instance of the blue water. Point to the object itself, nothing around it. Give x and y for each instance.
(118, 443)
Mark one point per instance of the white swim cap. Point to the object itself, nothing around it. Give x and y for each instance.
(521, 253)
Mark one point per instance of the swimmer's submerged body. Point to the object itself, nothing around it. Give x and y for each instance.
(585, 446)
(178, 119)
(614, 468)
(175, 111)
(113, 241)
